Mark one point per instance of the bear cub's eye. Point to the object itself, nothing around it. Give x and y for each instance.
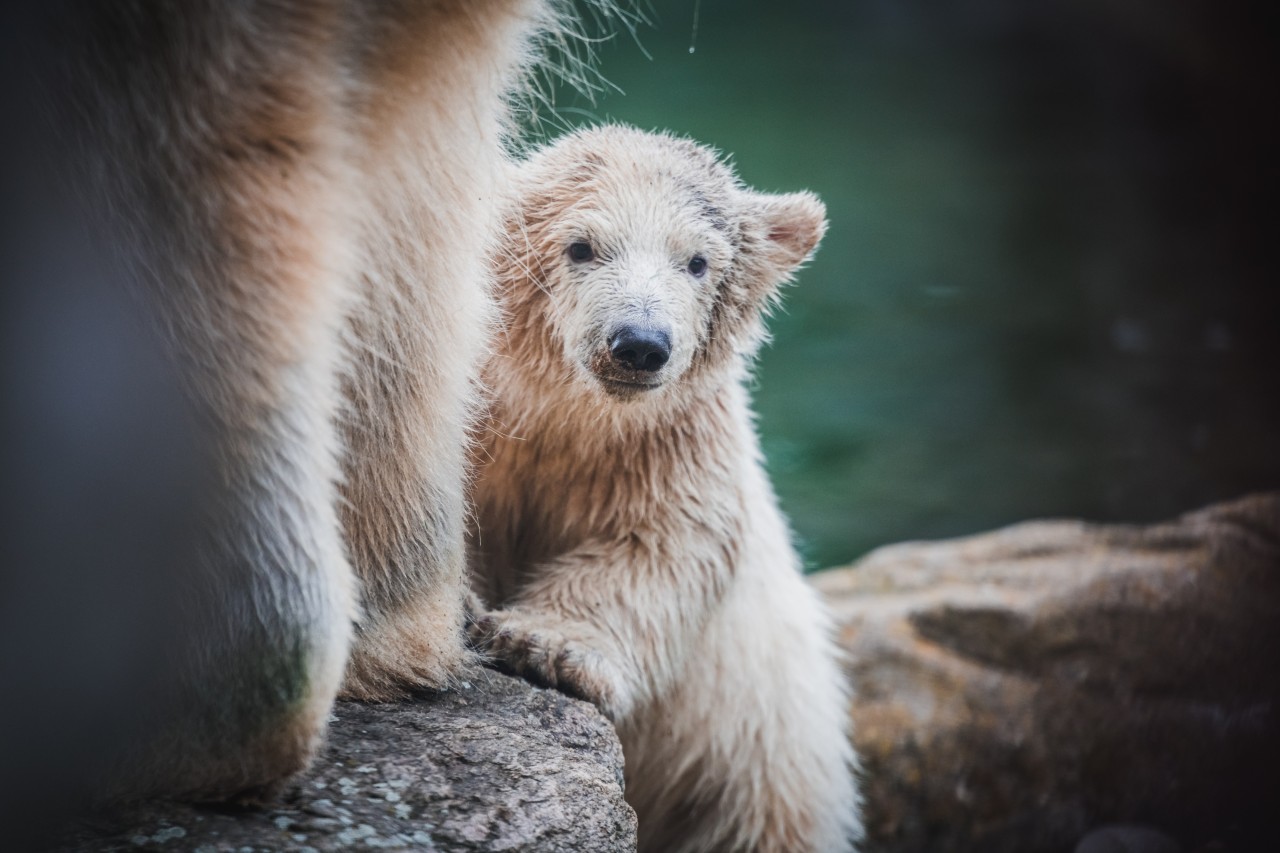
(697, 266)
(580, 252)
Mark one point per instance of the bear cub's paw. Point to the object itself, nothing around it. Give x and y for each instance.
(547, 651)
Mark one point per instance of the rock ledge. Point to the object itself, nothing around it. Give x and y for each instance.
(1019, 688)
(496, 765)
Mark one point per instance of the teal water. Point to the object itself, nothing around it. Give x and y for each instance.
(1045, 290)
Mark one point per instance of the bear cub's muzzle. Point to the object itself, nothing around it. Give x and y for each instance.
(634, 359)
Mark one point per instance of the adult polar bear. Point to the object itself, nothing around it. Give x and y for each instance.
(626, 527)
(302, 194)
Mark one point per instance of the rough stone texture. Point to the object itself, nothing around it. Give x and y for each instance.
(496, 765)
(1020, 688)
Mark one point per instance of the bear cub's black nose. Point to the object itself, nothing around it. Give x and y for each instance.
(640, 349)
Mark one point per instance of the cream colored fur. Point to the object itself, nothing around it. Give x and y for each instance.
(305, 194)
(628, 532)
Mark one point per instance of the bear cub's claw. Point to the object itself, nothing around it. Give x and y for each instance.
(530, 646)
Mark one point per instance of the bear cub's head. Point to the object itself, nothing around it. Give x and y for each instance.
(638, 262)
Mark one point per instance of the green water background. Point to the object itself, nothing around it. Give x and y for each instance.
(1047, 288)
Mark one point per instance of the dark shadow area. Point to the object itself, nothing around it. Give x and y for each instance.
(101, 474)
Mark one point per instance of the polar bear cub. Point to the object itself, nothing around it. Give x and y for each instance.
(625, 526)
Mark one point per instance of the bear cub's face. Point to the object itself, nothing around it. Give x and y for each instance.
(651, 260)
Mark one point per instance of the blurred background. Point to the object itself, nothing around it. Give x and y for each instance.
(1048, 290)
(1048, 286)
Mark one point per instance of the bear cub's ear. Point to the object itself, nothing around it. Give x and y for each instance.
(791, 224)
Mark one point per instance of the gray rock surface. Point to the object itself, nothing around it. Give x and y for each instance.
(496, 765)
(1020, 688)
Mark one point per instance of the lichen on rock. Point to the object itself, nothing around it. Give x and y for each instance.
(494, 765)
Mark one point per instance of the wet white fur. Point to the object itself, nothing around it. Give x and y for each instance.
(304, 193)
(630, 537)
